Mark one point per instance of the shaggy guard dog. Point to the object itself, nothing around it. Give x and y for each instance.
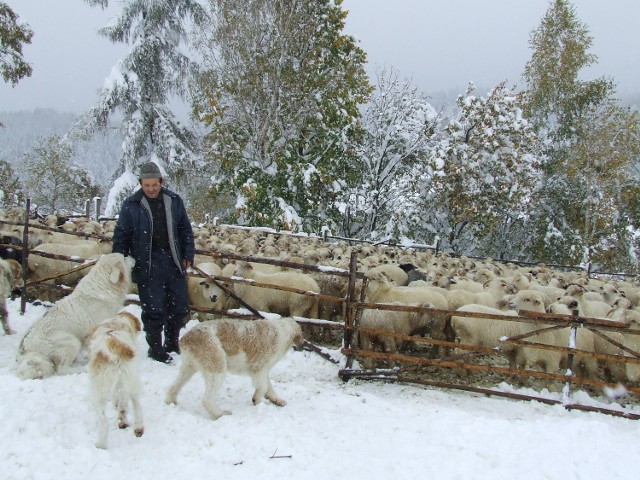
(6, 286)
(236, 346)
(54, 341)
(114, 374)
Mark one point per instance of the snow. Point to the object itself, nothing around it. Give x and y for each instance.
(329, 429)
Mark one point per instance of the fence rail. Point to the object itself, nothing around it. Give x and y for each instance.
(354, 305)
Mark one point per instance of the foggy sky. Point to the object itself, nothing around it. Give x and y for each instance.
(440, 45)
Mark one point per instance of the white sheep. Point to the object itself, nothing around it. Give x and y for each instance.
(494, 290)
(552, 293)
(381, 290)
(618, 370)
(405, 323)
(393, 272)
(203, 292)
(483, 275)
(630, 291)
(43, 267)
(588, 308)
(622, 303)
(487, 332)
(584, 340)
(285, 303)
(610, 293)
(468, 285)
(521, 280)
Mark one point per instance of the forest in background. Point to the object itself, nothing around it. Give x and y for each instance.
(288, 131)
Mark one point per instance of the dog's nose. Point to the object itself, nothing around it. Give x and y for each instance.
(213, 298)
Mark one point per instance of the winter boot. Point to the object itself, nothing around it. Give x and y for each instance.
(172, 336)
(156, 350)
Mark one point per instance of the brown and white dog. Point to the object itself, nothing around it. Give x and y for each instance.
(114, 374)
(56, 339)
(247, 347)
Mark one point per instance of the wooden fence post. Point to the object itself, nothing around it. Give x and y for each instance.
(350, 311)
(566, 391)
(97, 204)
(25, 253)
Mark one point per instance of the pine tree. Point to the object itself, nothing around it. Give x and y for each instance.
(280, 93)
(140, 87)
(13, 36)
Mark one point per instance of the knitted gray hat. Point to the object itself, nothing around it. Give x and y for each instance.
(149, 170)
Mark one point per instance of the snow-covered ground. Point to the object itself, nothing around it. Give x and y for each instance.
(329, 429)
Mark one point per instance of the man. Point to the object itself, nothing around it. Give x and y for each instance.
(153, 227)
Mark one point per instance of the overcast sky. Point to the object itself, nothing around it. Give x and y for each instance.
(439, 44)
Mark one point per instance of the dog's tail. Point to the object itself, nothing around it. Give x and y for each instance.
(33, 365)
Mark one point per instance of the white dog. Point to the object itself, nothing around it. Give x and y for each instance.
(235, 346)
(6, 285)
(114, 374)
(54, 341)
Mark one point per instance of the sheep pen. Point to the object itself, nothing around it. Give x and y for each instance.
(339, 270)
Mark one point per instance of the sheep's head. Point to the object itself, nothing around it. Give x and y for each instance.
(530, 301)
(569, 301)
(575, 290)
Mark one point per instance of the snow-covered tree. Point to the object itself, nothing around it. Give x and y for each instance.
(560, 50)
(596, 177)
(593, 144)
(53, 182)
(280, 91)
(399, 125)
(11, 193)
(13, 36)
(478, 179)
(140, 87)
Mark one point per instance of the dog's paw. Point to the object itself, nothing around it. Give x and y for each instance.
(122, 425)
(138, 432)
(219, 414)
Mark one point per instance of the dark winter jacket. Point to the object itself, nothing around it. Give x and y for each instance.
(133, 232)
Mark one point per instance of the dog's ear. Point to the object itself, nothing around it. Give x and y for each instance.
(117, 272)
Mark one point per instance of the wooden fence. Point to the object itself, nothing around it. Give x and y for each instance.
(416, 367)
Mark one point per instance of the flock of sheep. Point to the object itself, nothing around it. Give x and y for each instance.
(395, 276)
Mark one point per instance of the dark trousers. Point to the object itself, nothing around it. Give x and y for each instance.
(165, 302)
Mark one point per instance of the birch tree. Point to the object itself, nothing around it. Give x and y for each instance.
(592, 147)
